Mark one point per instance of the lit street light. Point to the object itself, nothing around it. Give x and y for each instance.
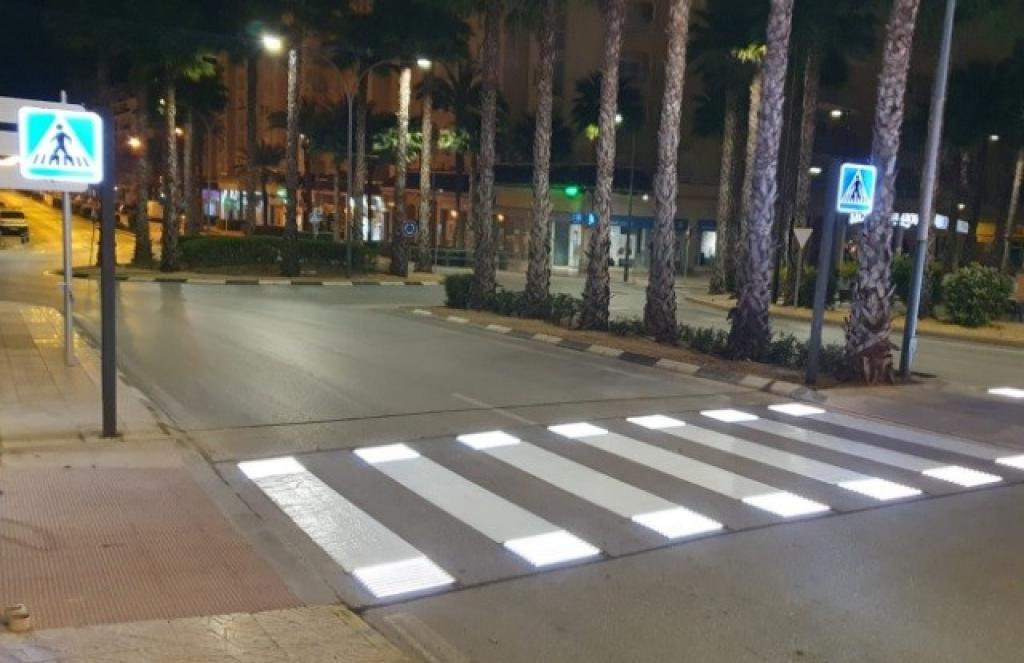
(272, 43)
(134, 142)
(836, 114)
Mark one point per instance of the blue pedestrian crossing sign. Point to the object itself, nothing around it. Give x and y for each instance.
(60, 145)
(856, 189)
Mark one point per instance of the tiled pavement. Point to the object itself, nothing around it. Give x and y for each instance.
(100, 538)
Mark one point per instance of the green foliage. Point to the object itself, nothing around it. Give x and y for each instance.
(563, 308)
(809, 279)
(848, 271)
(627, 327)
(902, 275)
(975, 295)
(207, 252)
(456, 290)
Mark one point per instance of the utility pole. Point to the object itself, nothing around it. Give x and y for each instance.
(927, 212)
(629, 214)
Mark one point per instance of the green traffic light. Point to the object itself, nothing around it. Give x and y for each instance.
(572, 191)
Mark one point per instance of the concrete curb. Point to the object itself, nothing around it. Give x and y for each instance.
(757, 382)
(251, 281)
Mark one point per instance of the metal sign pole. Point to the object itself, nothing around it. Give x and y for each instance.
(69, 298)
(108, 330)
(824, 269)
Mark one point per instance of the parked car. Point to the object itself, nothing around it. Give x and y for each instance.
(13, 222)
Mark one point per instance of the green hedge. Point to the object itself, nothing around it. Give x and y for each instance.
(207, 252)
(557, 309)
(976, 295)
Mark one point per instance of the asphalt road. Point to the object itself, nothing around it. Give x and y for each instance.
(260, 372)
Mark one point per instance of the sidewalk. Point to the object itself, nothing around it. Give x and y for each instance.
(120, 548)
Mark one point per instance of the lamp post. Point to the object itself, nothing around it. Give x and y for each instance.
(909, 345)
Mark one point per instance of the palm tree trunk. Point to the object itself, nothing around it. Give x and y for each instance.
(169, 243)
(808, 129)
(538, 273)
(597, 291)
(359, 179)
(1011, 214)
(660, 310)
(978, 202)
(751, 328)
(867, 332)
(399, 252)
(739, 255)
(188, 169)
(724, 243)
(424, 254)
(290, 246)
(339, 208)
(143, 254)
(266, 200)
(484, 278)
(462, 217)
(251, 129)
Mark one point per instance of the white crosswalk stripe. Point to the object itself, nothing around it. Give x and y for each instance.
(808, 467)
(527, 535)
(592, 491)
(640, 506)
(730, 484)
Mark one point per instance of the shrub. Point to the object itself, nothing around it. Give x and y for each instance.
(509, 302)
(783, 350)
(564, 308)
(975, 295)
(902, 275)
(198, 252)
(848, 272)
(808, 282)
(456, 290)
(627, 327)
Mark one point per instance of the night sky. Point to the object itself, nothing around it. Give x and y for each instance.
(30, 66)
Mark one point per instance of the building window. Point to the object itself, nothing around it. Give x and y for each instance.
(639, 15)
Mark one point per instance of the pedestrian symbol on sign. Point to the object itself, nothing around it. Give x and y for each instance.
(856, 189)
(60, 145)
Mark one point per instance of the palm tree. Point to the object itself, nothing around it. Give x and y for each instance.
(541, 16)
(484, 281)
(143, 252)
(597, 290)
(727, 46)
(751, 329)
(290, 246)
(867, 331)
(458, 92)
(399, 254)
(830, 32)
(660, 309)
(586, 105)
(424, 256)
(252, 80)
(201, 99)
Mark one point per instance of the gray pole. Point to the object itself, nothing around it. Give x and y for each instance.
(824, 269)
(348, 196)
(69, 299)
(69, 327)
(629, 228)
(108, 324)
(928, 191)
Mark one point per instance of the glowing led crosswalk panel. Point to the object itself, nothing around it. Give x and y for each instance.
(1009, 392)
(955, 474)
(378, 558)
(796, 409)
(1012, 461)
(729, 416)
(644, 508)
(874, 487)
(711, 477)
(531, 537)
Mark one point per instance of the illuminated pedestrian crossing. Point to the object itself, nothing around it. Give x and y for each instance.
(405, 519)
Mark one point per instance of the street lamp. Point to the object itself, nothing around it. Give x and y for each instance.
(134, 142)
(272, 43)
(814, 171)
(424, 63)
(994, 138)
(836, 114)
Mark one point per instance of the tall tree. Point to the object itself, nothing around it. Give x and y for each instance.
(751, 328)
(143, 252)
(252, 81)
(424, 255)
(484, 252)
(538, 272)
(867, 331)
(597, 291)
(727, 46)
(660, 310)
(267, 158)
(290, 245)
(201, 98)
(458, 92)
(399, 250)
